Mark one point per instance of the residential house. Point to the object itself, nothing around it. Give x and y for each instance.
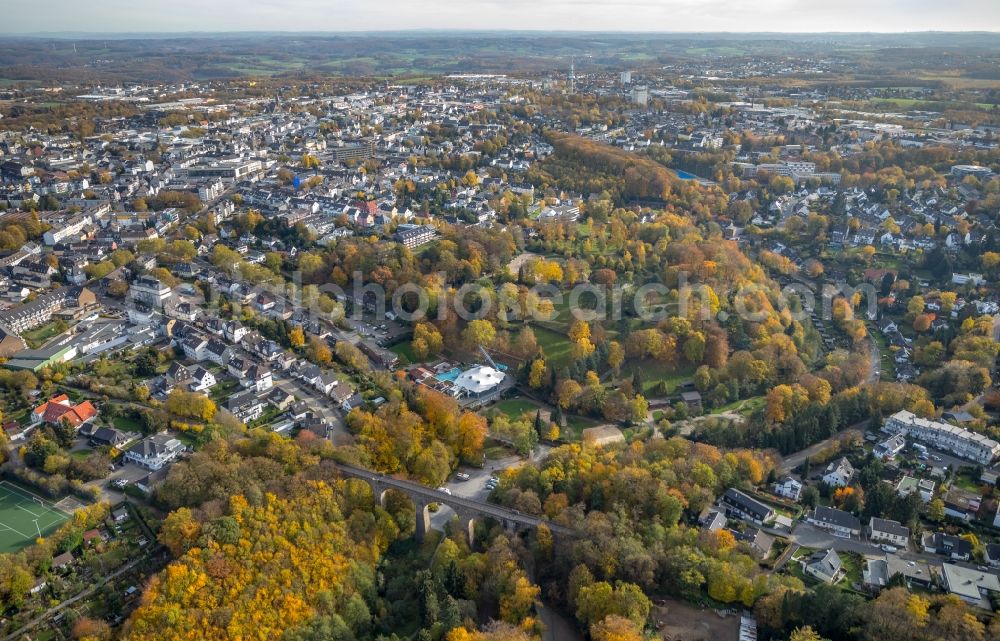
(238, 366)
(62, 561)
(992, 555)
(299, 412)
(713, 519)
(217, 352)
(60, 409)
(759, 541)
(788, 488)
(953, 547)
(202, 380)
(961, 504)
(889, 531)
(354, 400)
(908, 484)
(974, 586)
(889, 448)
(327, 382)
(245, 406)
(887, 326)
(154, 452)
(234, 331)
(195, 347)
(259, 378)
(840, 523)
(107, 436)
(739, 505)
(878, 572)
(280, 399)
(825, 565)
(341, 394)
(839, 473)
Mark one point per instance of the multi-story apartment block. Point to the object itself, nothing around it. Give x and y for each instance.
(150, 291)
(944, 436)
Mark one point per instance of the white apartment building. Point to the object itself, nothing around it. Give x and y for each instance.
(944, 436)
(149, 290)
(789, 168)
(69, 230)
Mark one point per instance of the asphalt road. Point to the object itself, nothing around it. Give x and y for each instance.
(792, 461)
(875, 368)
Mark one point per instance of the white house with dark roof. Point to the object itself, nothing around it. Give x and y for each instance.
(889, 448)
(838, 522)
(155, 451)
(246, 406)
(789, 488)
(201, 380)
(889, 531)
(195, 347)
(839, 473)
(741, 506)
(217, 352)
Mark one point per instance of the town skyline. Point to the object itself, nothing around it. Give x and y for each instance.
(640, 16)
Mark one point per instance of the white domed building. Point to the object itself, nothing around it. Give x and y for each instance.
(479, 381)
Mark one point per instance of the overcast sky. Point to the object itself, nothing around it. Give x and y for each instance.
(585, 15)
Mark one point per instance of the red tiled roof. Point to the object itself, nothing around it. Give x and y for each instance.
(59, 409)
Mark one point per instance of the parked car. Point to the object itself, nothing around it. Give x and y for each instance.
(462, 476)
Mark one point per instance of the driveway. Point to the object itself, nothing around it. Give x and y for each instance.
(128, 471)
(810, 536)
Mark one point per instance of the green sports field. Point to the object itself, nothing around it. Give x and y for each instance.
(23, 516)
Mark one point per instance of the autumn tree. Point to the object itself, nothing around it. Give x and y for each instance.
(616, 356)
(179, 531)
(472, 431)
(615, 628)
(427, 340)
(536, 374)
(479, 333)
(190, 405)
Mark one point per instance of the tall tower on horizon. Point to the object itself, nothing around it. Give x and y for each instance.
(572, 78)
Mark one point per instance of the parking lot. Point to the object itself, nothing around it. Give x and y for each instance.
(473, 488)
(128, 472)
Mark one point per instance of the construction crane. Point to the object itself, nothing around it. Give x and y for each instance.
(488, 359)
